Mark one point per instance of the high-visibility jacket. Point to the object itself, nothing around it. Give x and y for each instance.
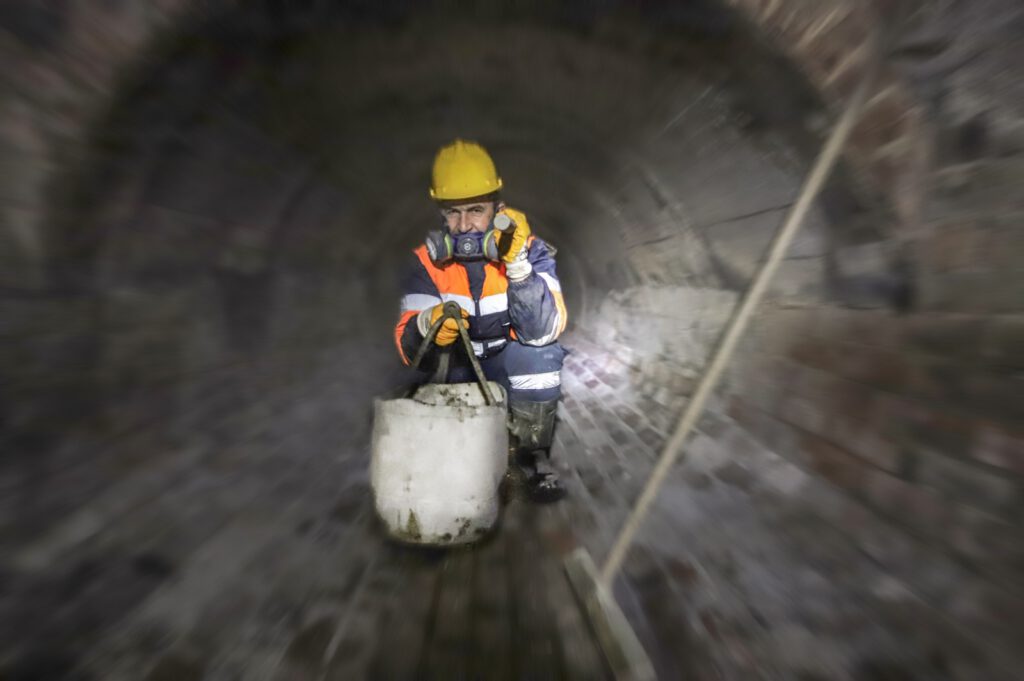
(531, 311)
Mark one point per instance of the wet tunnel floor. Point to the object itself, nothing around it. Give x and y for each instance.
(263, 560)
(259, 557)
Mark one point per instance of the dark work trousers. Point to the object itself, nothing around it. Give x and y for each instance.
(528, 373)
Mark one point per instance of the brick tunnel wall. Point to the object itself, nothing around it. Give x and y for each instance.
(907, 406)
(873, 412)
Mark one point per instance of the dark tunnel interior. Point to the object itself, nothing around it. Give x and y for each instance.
(202, 283)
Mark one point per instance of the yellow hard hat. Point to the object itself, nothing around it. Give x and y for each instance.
(463, 170)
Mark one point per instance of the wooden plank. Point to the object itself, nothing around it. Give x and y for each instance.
(399, 647)
(621, 647)
(350, 653)
(492, 633)
(451, 642)
(535, 651)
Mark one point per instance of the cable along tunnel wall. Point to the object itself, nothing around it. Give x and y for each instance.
(211, 271)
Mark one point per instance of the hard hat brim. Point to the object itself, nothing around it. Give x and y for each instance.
(456, 200)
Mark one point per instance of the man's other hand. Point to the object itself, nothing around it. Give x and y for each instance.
(513, 242)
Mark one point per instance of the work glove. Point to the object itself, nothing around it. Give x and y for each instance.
(449, 330)
(512, 246)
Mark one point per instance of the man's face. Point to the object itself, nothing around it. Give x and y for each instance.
(469, 217)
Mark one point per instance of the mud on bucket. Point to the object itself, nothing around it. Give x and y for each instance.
(437, 461)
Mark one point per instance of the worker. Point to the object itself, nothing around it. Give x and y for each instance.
(509, 294)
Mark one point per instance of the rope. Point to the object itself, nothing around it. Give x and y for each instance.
(451, 310)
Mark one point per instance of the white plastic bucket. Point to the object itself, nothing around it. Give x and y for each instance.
(437, 461)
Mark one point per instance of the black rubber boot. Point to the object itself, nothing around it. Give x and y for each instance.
(533, 426)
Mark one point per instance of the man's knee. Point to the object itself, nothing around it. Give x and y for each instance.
(534, 373)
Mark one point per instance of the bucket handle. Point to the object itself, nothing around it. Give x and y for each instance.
(452, 310)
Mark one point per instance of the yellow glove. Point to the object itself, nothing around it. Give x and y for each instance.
(449, 330)
(513, 242)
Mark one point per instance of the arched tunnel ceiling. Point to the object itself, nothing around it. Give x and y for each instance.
(190, 424)
(613, 136)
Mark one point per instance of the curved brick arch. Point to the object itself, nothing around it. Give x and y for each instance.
(835, 44)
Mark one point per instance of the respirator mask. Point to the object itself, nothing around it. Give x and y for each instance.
(443, 247)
